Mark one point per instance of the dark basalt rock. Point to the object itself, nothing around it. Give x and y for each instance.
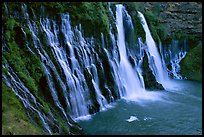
(183, 16)
(88, 77)
(149, 78)
(132, 61)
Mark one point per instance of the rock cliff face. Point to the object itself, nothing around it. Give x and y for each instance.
(182, 18)
(179, 16)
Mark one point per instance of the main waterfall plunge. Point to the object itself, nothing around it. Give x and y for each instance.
(156, 63)
(82, 78)
(130, 80)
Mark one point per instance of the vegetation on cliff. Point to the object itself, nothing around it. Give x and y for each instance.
(95, 18)
(191, 65)
(14, 118)
(29, 69)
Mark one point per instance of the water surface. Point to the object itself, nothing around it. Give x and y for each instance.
(175, 111)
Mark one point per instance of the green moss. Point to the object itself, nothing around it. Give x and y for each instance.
(162, 32)
(28, 81)
(4, 70)
(91, 15)
(14, 118)
(3, 60)
(28, 33)
(180, 35)
(5, 55)
(191, 65)
(193, 41)
(27, 65)
(64, 128)
(19, 66)
(8, 35)
(11, 23)
(33, 65)
(13, 57)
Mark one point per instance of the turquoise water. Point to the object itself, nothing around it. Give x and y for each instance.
(177, 111)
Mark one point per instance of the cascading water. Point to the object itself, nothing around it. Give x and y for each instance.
(79, 96)
(139, 68)
(175, 53)
(175, 65)
(72, 81)
(129, 77)
(153, 54)
(78, 74)
(28, 100)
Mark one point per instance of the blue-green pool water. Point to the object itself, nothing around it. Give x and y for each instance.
(176, 111)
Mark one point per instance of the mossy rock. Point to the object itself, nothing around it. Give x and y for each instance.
(95, 107)
(149, 78)
(191, 65)
(14, 119)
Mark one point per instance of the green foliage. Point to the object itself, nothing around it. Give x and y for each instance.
(162, 32)
(14, 118)
(28, 33)
(193, 41)
(33, 65)
(151, 17)
(11, 23)
(46, 107)
(92, 17)
(64, 128)
(27, 65)
(180, 35)
(191, 65)
(28, 81)
(8, 35)
(4, 70)
(14, 57)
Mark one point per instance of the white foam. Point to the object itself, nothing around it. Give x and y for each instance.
(87, 117)
(147, 95)
(147, 118)
(132, 118)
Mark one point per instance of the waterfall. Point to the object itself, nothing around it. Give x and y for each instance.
(27, 98)
(175, 65)
(129, 77)
(72, 81)
(83, 75)
(139, 68)
(153, 54)
(79, 95)
(175, 52)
